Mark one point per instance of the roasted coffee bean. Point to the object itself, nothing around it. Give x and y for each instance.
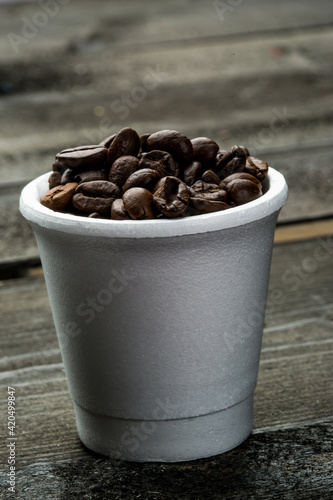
(59, 197)
(223, 157)
(207, 191)
(256, 167)
(67, 176)
(192, 172)
(145, 178)
(231, 161)
(118, 211)
(233, 166)
(242, 191)
(238, 175)
(160, 161)
(220, 154)
(57, 167)
(175, 143)
(210, 177)
(54, 179)
(171, 196)
(122, 168)
(95, 196)
(126, 143)
(138, 203)
(107, 141)
(181, 177)
(82, 157)
(91, 175)
(204, 149)
(205, 206)
(143, 142)
(95, 215)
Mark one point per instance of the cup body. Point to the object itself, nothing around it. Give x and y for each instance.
(159, 323)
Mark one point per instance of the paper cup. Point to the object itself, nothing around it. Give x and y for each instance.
(159, 322)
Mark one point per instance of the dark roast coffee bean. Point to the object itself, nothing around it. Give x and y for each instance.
(160, 175)
(122, 168)
(138, 203)
(107, 141)
(118, 211)
(205, 206)
(145, 178)
(171, 196)
(95, 196)
(95, 215)
(143, 142)
(238, 175)
(91, 175)
(242, 191)
(54, 179)
(256, 167)
(231, 161)
(208, 191)
(232, 167)
(59, 197)
(192, 172)
(175, 143)
(201, 187)
(82, 156)
(235, 151)
(126, 143)
(204, 149)
(67, 176)
(57, 167)
(210, 177)
(161, 161)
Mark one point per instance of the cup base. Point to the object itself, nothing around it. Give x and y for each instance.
(165, 440)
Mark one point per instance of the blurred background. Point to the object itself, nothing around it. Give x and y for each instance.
(251, 72)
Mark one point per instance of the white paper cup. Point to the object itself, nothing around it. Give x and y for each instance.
(159, 322)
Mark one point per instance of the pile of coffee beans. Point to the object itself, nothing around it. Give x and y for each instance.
(158, 175)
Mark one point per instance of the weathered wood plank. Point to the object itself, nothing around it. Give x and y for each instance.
(135, 23)
(210, 88)
(294, 385)
(284, 464)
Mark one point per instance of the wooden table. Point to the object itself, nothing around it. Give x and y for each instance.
(254, 73)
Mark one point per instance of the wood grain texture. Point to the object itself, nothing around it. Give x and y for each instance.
(90, 72)
(289, 464)
(131, 23)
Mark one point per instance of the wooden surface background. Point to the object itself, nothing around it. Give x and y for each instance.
(257, 73)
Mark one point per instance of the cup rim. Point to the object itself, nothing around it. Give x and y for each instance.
(271, 201)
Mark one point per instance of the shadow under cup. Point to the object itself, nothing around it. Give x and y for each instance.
(159, 322)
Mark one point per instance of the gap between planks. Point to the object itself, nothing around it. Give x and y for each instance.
(303, 231)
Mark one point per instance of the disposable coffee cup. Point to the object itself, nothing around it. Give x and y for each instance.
(159, 322)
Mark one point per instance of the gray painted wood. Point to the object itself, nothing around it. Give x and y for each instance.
(266, 85)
